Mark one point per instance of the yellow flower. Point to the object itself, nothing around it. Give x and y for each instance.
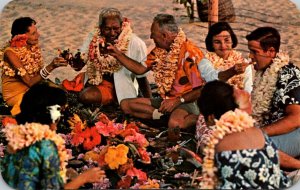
(116, 156)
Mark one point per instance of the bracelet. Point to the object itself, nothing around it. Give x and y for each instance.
(44, 73)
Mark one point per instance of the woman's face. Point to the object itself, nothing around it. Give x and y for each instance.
(33, 35)
(222, 44)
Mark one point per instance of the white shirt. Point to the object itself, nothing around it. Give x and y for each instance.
(124, 80)
(209, 73)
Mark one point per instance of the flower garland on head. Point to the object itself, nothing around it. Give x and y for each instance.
(220, 64)
(167, 64)
(30, 57)
(22, 136)
(98, 64)
(264, 86)
(230, 122)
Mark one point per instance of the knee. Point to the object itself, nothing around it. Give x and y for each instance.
(175, 122)
(90, 97)
(124, 105)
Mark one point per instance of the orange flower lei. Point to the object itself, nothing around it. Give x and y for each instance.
(264, 86)
(167, 64)
(99, 64)
(21, 136)
(220, 64)
(230, 122)
(31, 59)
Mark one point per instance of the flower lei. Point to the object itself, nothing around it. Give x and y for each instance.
(264, 86)
(167, 64)
(21, 136)
(221, 64)
(99, 64)
(230, 122)
(31, 58)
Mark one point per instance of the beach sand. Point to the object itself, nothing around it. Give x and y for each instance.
(67, 23)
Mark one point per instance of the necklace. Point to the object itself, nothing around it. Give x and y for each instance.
(264, 86)
(21, 136)
(220, 64)
(167, 64)
(230, 122)
(98, 64)
(31, 59)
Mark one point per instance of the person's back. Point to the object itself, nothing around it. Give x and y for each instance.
(243, 156)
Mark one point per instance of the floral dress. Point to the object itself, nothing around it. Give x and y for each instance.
(251, 168)
(33, 167)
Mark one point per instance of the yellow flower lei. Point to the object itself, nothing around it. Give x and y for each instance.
(31, 59)
(99, 64)
(167, 64)
(222, 65)
(264, 86)
(230, 122)
(21, 136)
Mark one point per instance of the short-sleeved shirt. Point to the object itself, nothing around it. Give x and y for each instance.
(33, 167)
(187, 76)
(251, 168)
(287, 93)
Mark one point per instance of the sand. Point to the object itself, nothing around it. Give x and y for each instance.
(67, 23)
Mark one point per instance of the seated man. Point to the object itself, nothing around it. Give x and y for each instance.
(174, 63)
(276, 93)
(106, 79)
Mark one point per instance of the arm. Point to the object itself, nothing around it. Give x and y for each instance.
(15, 62)
(144, 87)
(288, 123)
(89, 176)
(129, 63)
(168, 105)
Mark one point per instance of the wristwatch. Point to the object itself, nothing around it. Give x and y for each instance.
(182, 100)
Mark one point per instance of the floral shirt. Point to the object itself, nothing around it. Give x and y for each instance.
(34, 167)
(251, 168)
(287, 92)
(187, 75)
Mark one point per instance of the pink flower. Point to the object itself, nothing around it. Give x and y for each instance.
(137, 138)
(19, 40)
(109, 130)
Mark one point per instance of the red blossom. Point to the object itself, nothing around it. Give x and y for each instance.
(8, 120)
(124, 183)
(144, 155)
(133, 172)
(19, 41)
(91, 138)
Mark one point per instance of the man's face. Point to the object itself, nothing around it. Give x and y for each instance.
(158, 37)
(33, 35)
(262, 58)
(111, 29)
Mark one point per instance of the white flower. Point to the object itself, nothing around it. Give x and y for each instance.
(250, 174)
(226, 171)
(270, 151)
(263, 173)
(249, 153)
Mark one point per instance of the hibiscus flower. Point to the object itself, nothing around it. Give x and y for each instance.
(91, 138)
(116, 156)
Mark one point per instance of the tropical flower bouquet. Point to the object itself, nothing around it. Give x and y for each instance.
(119, 148)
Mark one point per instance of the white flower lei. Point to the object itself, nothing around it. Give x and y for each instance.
(31, 60)
(230, 122)
(21, 136)
(220, 64)
(99, 64)
(264, 86)
(167, 64)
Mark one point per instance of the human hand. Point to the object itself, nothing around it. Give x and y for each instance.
(240, 68)
(93, 175)
(113, 50)
(168, 105)
(58, 62)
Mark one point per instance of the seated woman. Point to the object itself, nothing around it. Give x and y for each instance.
(36, 156)
(237, 155)
(220, 42)
(21, 62)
